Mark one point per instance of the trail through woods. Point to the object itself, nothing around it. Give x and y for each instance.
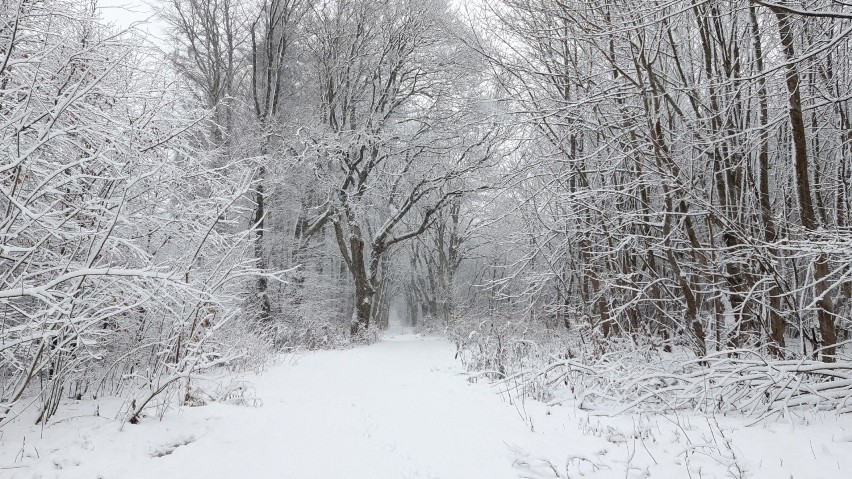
(393, 410)
(396, 409)
(403, 408)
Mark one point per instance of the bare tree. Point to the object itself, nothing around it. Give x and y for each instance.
(385, 77)
(657, 165)
(107, 218)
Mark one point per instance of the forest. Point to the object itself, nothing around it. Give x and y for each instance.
(645, 202)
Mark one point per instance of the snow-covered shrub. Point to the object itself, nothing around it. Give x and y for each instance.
(623, 373)
(123, 253)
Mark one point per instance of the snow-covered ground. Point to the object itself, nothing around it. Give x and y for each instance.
(402, 408)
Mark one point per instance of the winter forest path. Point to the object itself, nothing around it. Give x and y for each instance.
(401, 409)
(397, 409)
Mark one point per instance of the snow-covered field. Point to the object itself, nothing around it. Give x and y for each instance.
(403, 408)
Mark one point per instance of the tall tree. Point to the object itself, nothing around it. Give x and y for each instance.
(387, 93)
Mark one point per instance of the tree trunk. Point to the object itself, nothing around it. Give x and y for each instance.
(262, 295)
(775, 320)
(362, 310)
(825, 308)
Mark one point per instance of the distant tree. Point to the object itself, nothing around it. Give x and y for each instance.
(394, 142)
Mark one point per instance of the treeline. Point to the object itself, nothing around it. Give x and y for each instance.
(684, 171)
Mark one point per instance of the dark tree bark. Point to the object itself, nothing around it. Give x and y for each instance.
(825, 308)
(776, 322)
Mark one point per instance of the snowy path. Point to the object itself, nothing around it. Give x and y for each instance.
(397, 409)
(400, 409)
(392, 410)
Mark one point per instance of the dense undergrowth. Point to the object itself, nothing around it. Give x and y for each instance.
(631, 373)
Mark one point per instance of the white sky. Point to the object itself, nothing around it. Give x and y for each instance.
(124, 13)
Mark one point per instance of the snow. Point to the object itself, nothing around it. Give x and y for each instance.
(403, 408)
